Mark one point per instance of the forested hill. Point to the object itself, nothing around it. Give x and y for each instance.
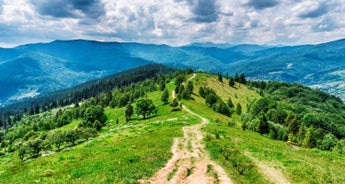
(81, 92)
(124, 129)
(30, 70)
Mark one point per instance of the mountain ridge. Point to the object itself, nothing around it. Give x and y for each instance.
(319, 66)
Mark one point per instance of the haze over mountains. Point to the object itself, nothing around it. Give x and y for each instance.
(35, 69)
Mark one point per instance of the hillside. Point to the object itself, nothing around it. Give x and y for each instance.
(36, 69)
(112, 140)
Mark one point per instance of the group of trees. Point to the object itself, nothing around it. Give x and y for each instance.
(214, 101)
(232, 79)
(144, 107)
(54, 140)
(33, 133)
(182, 90)
(14, 112)
(298, 114)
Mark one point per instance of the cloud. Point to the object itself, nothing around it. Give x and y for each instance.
(203, 10)
(314, 11)
(1, 3)
(327, 24)
(70, 8)
(172, 22)
(262, 4)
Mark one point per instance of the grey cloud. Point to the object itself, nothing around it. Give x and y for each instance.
(262, 4)
(327, 24)
(203, 10)
(1, 4)
(319, 11)
(70, 8)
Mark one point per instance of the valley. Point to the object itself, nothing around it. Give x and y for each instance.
(47, 67)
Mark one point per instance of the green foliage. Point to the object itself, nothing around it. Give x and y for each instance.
(211, 99)
(328, 142)
(165, 96)
(231, 81)
(238, 109)
(94, 117)
(340, 147)
(220, 77)
(229, 103)
(57, 138)
(145, 107)
(129, 112)
(162, 85)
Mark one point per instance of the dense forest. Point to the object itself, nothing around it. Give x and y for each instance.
(34, 133)
(288, 112)
(12, 113)
(297, 114)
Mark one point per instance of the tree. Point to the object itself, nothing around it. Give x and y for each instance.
(21, 153)
(71, 136)
(220, 77)
(328, 142)
(190, 86)
(34, 146)
(237, 78)
(162, 85)
(145, 107)
(92, 114)
(230, 104)
(128, 112)
(242, 79)
(231, 81)
(174, 103)
(340, 147)
(202, 92)
(262, 126)
(56, 137)
(165, 96)
(238, 109)
(211, 99)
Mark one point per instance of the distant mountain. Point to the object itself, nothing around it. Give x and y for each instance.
(34, 69)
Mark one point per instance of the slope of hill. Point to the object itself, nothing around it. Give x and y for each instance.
(70, 145)
(319, 66)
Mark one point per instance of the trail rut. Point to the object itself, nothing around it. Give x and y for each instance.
(190, 162)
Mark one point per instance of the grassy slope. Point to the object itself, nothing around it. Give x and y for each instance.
(122, 153)
(126, 152)
(299, 165)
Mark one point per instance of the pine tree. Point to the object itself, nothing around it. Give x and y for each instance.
(238, 109)
(231, 81)
(220, 77)
(128, 112)
(165, 96)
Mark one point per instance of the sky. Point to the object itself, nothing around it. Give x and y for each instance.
(173, 22)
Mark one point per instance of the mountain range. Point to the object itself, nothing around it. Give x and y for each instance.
(34, 69)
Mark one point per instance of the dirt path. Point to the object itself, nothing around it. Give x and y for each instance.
(190, 162)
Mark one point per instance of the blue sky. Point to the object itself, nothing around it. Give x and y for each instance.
(173, 22)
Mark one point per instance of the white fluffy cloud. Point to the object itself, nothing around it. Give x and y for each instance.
(173, 22)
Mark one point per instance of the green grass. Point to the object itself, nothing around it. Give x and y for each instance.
(299, 165)
(125, 152)
(122, 153)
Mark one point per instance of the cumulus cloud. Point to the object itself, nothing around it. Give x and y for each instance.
(70, 8)
(1, 3)
(173, 22)
(326, 24)
(204, 10)
(314, 10)
(262, 4)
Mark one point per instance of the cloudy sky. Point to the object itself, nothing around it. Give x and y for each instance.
(172, 22)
